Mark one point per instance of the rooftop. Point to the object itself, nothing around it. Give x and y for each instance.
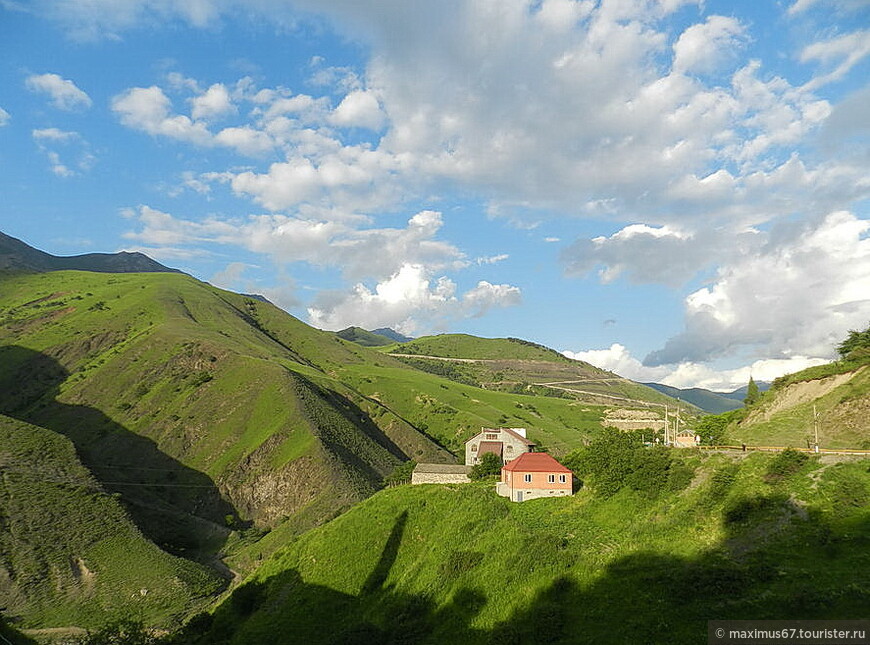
(443, 469)
(536, 462)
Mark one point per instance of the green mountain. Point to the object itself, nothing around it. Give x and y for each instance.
(520, 366)
(217, 427)
(16, 256)
(710, 402)
(362, 337)
(765, 537)
(209, 417)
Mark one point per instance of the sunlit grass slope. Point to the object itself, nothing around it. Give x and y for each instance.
(435, 564)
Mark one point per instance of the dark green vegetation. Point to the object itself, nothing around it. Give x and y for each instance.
(16, 256)
(362, 337)
(205, 417)
(489, 467)
(457, 564)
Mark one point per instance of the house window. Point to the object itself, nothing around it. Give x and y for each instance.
(474, 447)
(492, 435)
(527, 478)
(551, 479)
(509, 449)
(563, 479)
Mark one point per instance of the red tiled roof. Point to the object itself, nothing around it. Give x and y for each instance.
(535, 462)
(490, 446)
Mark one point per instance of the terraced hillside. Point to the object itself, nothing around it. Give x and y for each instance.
(519, 366)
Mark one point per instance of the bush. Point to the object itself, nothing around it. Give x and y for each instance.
(489, 466)
(785, 464)
(401, 474)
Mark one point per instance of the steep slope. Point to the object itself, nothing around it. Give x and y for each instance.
(69, 553)
(16, 256)
(457, 564)
(202, 410)
(833, 399)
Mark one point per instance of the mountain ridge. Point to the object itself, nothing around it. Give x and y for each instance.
(16, 255)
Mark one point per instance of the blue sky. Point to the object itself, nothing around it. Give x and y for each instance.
(675, 190)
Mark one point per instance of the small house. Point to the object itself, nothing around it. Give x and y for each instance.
(533, 475)
(507, 443)
(440, 474)
(687, 439)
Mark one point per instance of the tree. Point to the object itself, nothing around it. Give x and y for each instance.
(490, 465)
(752, 392)
(854, 343)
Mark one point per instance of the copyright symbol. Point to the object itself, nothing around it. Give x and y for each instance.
(720, 633)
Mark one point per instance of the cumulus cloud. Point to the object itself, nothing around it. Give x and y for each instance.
(63, 93)
(409, 301)
(359, 109)
(214, 103)
(703, 47)
(5, 117)
(619, 360)
(149, 109)
(797, 294)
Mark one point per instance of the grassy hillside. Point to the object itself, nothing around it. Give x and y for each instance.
(750, 538)
(69, 553)
(839, 394)
(362, 337)
(522, 367)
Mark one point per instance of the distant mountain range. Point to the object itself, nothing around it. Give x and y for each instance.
(711, 402)
(15, 255)
(377, 338)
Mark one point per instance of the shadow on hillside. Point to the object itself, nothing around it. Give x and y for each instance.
(808, 567)
(179, 508)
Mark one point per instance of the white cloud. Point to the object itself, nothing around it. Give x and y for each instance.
(703, 47)
(5, 117)
(214, 103)
(63, 93)
(797, 294)
(408, 301)
(59, 145)
(359, 109)
(619, 360)
(148, 109)
(846, 51)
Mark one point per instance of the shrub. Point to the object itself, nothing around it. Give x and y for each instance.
(401, 474)
(785, 464)
(489, 466)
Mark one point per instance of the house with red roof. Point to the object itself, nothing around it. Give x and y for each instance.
(507, 443)
(533, 475)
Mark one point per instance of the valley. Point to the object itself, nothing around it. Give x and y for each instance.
(200, 457)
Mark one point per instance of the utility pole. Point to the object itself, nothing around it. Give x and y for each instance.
(815, 428)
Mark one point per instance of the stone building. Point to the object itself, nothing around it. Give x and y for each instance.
(440, 474)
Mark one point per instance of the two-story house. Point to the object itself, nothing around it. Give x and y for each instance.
(507, 443)
(533, 475)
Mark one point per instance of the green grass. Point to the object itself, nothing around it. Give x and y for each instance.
(457, 564)
(842, 414)
(76, 556)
